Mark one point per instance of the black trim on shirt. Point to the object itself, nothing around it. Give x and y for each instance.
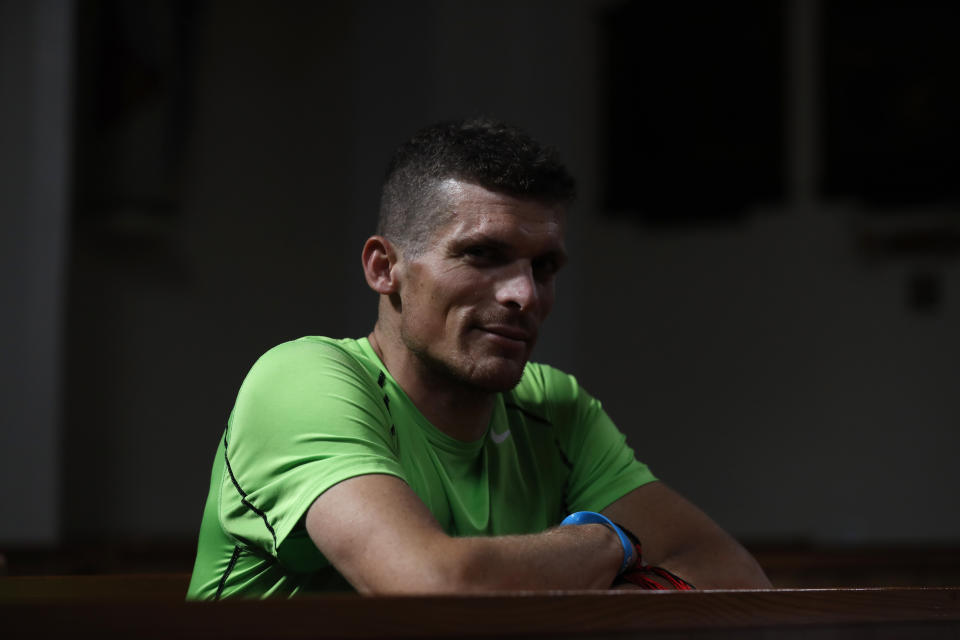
(243, 495)
(563, 456)
(532, 416)
(226, 574)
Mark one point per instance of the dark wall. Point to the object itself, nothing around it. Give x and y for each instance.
(35, 47)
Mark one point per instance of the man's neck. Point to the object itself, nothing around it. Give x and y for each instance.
(460, 411)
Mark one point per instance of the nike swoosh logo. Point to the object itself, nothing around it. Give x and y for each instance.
(499, 437)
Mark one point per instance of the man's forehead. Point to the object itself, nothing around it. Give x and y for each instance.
(466, 202)
(458, 189)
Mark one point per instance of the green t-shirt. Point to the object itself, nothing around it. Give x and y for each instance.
(316, 411)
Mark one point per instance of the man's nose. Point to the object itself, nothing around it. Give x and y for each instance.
(518, 288)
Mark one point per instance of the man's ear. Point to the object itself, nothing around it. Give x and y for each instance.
(379, 265)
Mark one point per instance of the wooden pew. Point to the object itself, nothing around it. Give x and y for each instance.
(169, 587)
(152, 606)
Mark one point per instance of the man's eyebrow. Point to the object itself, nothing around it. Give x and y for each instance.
(481, 238)
(558, 253)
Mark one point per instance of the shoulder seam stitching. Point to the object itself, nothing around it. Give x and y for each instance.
(243, 495)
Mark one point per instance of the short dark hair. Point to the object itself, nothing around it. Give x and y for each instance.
(482, 151)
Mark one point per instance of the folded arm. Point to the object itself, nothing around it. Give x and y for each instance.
(382, 538)
(679, 537)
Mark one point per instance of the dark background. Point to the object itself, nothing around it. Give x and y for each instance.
(763, 287)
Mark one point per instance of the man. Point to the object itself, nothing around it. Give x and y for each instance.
(431, 456)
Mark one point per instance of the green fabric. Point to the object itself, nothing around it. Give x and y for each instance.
(316, 411)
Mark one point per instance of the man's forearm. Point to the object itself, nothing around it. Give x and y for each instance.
(380, 536)
(717, 564)
(679, 537)
(584, 557)
(581, 557)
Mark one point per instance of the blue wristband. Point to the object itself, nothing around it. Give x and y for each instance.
(591, 517)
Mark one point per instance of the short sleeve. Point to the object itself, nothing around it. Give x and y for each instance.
(603, 467)
(307, 416)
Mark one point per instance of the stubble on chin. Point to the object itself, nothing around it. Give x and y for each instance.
(486, 377)
(501, 380)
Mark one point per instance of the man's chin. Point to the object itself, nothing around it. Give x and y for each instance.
(493, 375)
(488, 372)
(499, 378)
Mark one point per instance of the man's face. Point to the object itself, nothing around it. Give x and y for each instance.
(474, 299)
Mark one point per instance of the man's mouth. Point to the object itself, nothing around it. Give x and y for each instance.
(516, 334)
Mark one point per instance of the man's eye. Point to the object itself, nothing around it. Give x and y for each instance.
(545, 267)
(480, 252)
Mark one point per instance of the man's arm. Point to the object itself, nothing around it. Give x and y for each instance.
(382, 538)
(679, 537)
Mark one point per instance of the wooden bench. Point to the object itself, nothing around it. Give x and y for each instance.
(168, 587)
(152, 606)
